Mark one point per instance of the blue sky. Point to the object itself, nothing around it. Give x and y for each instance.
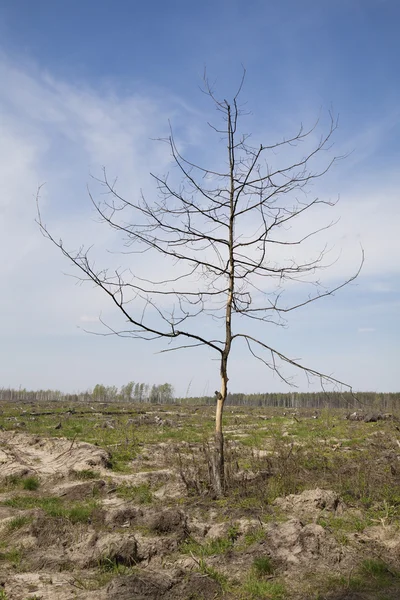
(87, 84)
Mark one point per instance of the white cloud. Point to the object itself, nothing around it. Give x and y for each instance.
(58, 132)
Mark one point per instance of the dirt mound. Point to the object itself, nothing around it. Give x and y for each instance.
(21, 453)
(310, 503)
(169, 521)
(125, 517)
(293, 543)
(81, 491)
(147, 585)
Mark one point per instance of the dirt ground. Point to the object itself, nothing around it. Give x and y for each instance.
(87, 532)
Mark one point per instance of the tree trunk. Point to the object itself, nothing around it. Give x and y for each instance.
(218, 463)
(218, 475)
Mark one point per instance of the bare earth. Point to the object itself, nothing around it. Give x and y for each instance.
(61, 558)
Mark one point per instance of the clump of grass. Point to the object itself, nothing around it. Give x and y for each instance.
(86, 474)
(341, 525)
(12, 556)
(108, 564)
(47, 503)
(378, 569)
(372, 575)
(79, 512)
(111, 563)
(31, 483)
(136, 493)
(211, 548)
(212, 573)
(263, 566)
(256, 534)
(255, 588)
(18, 522)
(12, 480)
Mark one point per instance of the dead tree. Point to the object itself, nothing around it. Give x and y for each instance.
(220, 228)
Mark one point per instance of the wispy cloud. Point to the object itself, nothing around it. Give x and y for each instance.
(59, 132)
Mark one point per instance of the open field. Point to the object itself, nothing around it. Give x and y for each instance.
(112, 502)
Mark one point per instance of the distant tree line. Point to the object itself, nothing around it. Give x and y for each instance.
(131, 392)
(315, 400)
(164, 394)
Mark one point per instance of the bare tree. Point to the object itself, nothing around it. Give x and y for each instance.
(221, 228)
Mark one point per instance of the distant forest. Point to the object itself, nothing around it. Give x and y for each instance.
(164, 394)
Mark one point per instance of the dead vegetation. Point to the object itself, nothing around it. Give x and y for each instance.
(311, 510)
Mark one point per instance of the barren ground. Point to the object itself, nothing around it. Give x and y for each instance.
(112, 502)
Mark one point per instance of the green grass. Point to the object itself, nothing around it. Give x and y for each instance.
(77, 512)
(13, 556)
(373, 576)
(31, 483)
(104, 574)
(49, 504)
(210, 548)
(140, 494)
(86, 474)
(345, 524)
(262, 566)
(255, 588)
(253, 536)
(379, 570)
(213, 574)
(18, 522)
(108, 564)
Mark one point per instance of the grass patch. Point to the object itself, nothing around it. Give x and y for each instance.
(49, 504)
(255, 588)
(31, 483)
(213, 574)
(18, 522)
(13, 556)
(262, 566)
(254, 535)
(372, 576)
(86, 474)
(211, 548)
(78, 512)
(377, 569)
(345, 524)
(140, 494)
